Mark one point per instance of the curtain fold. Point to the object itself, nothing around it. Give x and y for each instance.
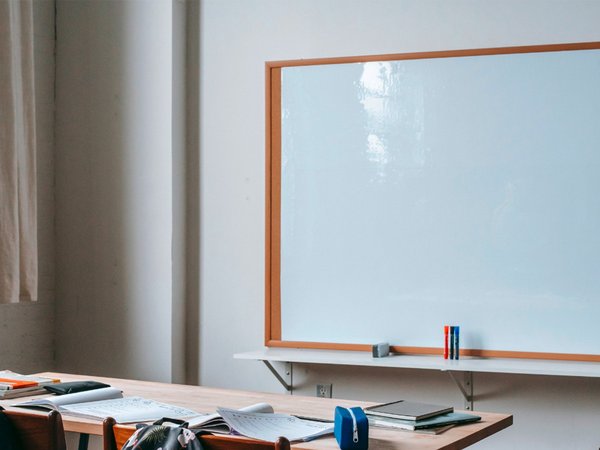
(18, 205)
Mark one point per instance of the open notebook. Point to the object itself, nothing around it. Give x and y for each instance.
(109, 402)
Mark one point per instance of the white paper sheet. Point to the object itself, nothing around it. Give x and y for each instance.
(214, 423)
(269, 427)
(128, 410)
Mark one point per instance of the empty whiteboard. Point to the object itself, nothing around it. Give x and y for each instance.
(458, 190)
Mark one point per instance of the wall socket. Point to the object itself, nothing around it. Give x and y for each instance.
(324, 390)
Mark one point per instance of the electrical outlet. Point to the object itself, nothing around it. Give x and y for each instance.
(324, 390)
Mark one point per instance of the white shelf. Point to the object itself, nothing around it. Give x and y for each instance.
(493, 365)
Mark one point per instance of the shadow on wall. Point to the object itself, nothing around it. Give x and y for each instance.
(113, 189)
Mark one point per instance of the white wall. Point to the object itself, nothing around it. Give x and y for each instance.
(27, 329)
(237, 37)
(114, 186)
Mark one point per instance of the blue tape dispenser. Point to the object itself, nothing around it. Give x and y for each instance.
(351, 428)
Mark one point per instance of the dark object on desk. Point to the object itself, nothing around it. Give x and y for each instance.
(164, 437)
(351, 428)
(406, 410)
(115, 436)
(74, 386)
(381, 350)
(441, 420)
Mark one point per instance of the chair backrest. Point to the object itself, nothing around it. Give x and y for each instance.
(220, 442)
(37, 431)
(114, 436)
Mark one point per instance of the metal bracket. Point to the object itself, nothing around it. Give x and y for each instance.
(466, 388)
(286, 379)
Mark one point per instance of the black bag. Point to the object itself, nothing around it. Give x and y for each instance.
(163, 437)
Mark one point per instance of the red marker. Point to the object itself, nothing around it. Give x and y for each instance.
(446, 341)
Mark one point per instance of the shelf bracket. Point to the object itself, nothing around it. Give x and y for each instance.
(286, 369)
(466, 388)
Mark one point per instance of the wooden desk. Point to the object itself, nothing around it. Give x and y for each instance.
(206, 400)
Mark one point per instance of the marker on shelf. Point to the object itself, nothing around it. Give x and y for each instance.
(446, 341)
(451, 338)
(456, 342)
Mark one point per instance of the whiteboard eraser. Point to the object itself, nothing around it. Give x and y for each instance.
(381, 350)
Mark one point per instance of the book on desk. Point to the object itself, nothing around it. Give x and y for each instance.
(14, 385)
(431, 423)
(108, 402)
(414, 416)
(407, 410)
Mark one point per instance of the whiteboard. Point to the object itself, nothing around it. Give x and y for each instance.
(418, 193)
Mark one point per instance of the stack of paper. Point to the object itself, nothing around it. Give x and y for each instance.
(13, 385)
(432, 423)
(415, 416)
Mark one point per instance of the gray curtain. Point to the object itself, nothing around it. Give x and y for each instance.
(18, 207)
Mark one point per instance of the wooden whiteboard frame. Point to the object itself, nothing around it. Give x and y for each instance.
(273, 330)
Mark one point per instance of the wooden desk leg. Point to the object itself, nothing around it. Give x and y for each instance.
(84, 439)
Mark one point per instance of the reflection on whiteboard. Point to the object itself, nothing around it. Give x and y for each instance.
(426, 192)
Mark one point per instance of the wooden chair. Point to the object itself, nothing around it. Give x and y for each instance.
(38, 431)
(114, 436)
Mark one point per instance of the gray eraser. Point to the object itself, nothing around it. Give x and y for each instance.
(381, 350)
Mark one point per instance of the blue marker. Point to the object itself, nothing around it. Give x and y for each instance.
(455, 339)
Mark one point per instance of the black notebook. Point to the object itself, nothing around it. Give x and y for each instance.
(406, 410)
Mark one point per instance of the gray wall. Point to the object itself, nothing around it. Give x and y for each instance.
(237, 37)
(116, 216)
(114, 189)
(27, 329)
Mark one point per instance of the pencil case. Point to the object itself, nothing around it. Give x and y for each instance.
(351, 428)
(72, 387)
